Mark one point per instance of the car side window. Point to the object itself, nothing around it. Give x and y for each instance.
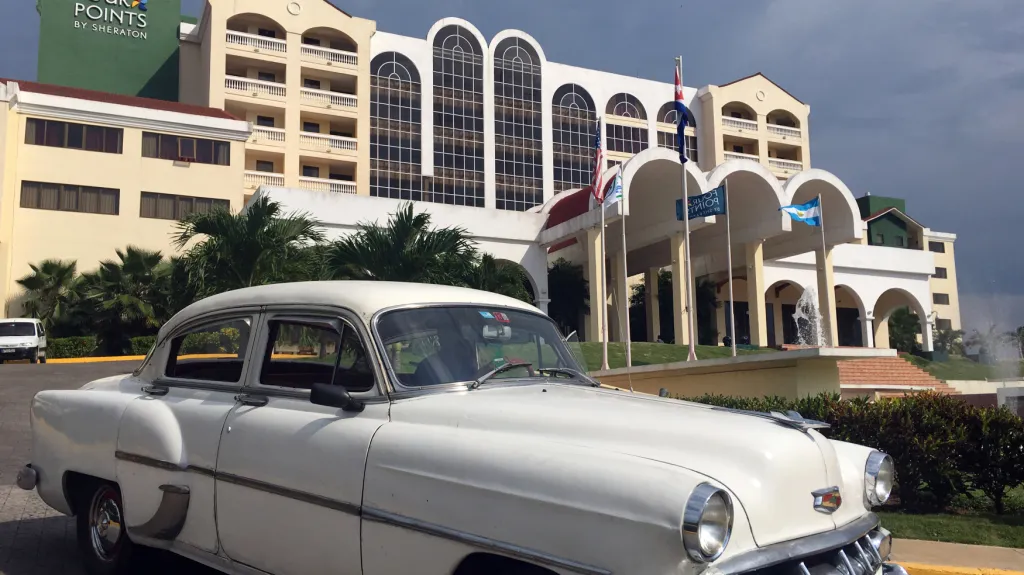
(211, 352)
(301, 353)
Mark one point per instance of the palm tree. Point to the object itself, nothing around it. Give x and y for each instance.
(50, 290)
(406, 249)
(260, 245)
(498, 276)
(125, 295)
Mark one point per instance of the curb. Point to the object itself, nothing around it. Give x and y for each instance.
(921, 569)
(97, 359)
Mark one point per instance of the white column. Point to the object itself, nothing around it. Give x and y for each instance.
(680, 313)
(597, 306)
(755, 294)
(867, 328)
(827, 296)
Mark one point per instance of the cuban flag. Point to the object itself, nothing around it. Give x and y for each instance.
(809, 213)
(596, 183)
(684, 119)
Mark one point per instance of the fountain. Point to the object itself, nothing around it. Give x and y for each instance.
(808, 319)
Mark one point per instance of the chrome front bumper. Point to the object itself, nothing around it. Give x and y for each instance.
(860, 548)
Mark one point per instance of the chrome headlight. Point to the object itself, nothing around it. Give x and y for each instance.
(707, 523)
(879, 473)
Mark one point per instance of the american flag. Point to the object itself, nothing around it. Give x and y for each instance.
(596, 183)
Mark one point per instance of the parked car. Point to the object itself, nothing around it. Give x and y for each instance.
(380, 428)
(22, 338)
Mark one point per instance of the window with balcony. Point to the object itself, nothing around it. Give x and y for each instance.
(518, 156)
(311, 127)
(573, 128)
(185, 149)
(940, 299)
(626, 139)
(266, 76)
(175, 207)
(266, 33)
(310, 172)
(70, 198)
(940, 273)
(265, 121)
(395, 140)
(311, 83)
(75, 136)
(310, 41)
(264, 166)
(937, 247)
(458, 119)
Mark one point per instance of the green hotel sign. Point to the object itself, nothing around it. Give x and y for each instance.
(122, 46)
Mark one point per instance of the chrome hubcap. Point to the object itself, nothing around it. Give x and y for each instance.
(105, 524)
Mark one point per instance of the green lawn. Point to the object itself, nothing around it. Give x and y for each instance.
(983, 529)
(963, 368)
(653, 353)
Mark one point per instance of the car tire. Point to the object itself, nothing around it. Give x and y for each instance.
(42, 359)
(102, 539)
(32, 360)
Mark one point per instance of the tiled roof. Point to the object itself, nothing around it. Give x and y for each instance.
(136, 101)
(881, 213)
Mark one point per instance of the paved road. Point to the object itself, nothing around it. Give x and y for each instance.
(34, 539)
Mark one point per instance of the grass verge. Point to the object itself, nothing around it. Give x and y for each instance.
(982, 529)
(654, 353)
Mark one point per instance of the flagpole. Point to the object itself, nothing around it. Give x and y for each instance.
(604, 283)
(686, 230)
(728, 251)
(824, 256)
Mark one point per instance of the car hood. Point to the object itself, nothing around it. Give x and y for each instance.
(771, 468)
(12, 341)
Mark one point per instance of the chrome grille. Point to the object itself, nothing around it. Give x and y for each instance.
(859, 557)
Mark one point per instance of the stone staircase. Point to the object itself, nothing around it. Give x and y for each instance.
(889, 372)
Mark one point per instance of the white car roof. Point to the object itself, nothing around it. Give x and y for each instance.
(365, 298)
(19, 320)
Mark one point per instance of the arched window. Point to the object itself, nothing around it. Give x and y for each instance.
(518, 151)
(458, 119)
(395, 128)
(626, 106)
(667, 139)
(573, 126)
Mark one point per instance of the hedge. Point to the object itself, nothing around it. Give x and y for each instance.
(942, 446)
(142, 344)
(69, 347)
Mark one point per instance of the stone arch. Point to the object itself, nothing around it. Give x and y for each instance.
(736, 107)
(445, 26)
(782, 117)
(888, 302)
(659, 161)
(843, 223)
(755, 195)
(668, 114)
(336, 39)
(395, 66)
(781, 298)
(245, 21)
(626, 105)
(499, 42)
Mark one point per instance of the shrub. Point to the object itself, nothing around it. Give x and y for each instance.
(225, 341)
(69, 347)
(942, 447)
(142, 344)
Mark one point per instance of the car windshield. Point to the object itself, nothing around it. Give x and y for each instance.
(17, 329)
(438, 345)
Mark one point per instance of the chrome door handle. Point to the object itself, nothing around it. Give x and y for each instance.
(252, 400)
(155, 390)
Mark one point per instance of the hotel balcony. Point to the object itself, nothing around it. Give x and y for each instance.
(328, 56)
(254, 179)
(741, 156)
(327, 185)
(327, 144)
(784, 133)
(326, 99)
(255, 44)
(785, 167)
(253, 88)
(265, 136)
(739, 125)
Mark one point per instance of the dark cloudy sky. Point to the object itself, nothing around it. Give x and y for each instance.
(922, 99)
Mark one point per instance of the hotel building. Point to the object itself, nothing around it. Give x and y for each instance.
(346, 122)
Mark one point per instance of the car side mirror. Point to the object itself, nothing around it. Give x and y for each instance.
(334, 396)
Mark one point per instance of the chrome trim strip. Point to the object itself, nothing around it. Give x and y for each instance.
(538, 557)
(305, 497)
(170, 516)
(799, 548)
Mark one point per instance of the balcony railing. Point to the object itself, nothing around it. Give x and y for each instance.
(325, 185)
(328, 99)
(330, 55)
(739, 124)
(254, 179)
(325, 142)
(780, 164)
(784, 131)
(255, 88)
(739, 156)
(256, 42)
(267, 136)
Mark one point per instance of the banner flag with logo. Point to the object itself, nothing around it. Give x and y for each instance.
(712, 203)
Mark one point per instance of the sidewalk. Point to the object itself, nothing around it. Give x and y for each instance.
(933, 558)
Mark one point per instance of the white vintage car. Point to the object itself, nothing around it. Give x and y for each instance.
(381, 428)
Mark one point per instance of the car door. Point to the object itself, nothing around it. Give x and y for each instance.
(290, 473)
(167, 442)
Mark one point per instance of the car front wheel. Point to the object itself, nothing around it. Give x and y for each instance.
(102, 540)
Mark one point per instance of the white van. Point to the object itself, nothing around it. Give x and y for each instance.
(22, 338)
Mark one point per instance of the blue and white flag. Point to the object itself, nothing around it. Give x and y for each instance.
(707, 204)
(809, 213)
(615, 191)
